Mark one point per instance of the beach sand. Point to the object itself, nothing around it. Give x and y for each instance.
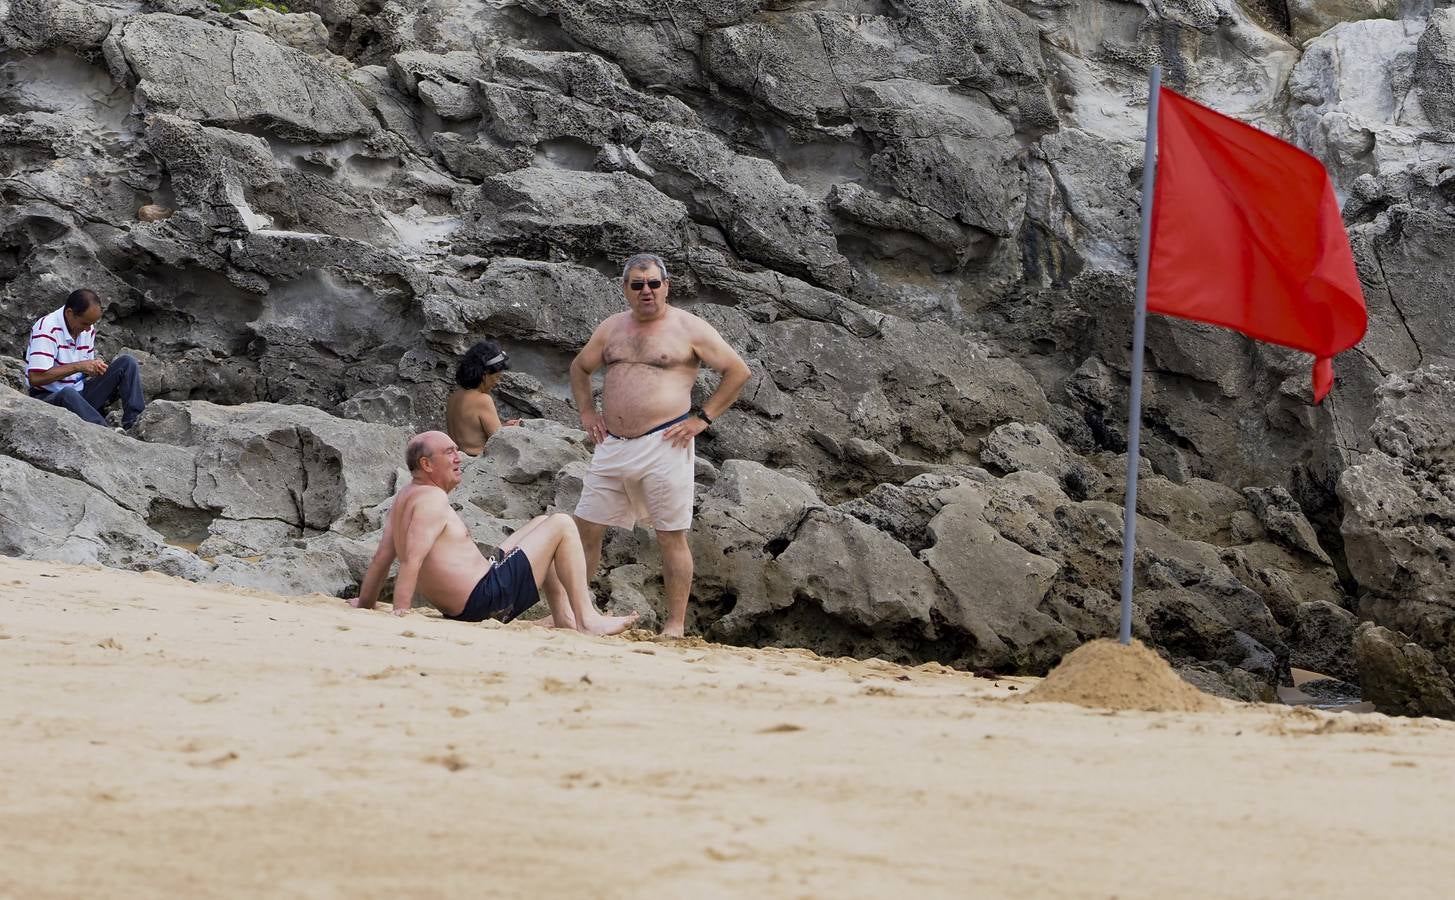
(164, 739)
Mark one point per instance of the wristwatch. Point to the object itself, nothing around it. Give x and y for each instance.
(700, 413)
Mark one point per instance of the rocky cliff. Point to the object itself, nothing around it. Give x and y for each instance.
(915, 218)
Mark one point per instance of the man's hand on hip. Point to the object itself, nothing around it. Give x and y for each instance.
(684, 431)
(592, 424)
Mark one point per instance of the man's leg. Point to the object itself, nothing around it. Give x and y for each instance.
(122, 378)
(549, 584)
(676, 579)
(592, 534)
(72, 399)
(555, 542)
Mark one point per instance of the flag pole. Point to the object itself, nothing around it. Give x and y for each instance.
(1139, 329)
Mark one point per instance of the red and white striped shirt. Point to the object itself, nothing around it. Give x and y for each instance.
(51, 345)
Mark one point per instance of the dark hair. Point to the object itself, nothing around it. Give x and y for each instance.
(418, 449)
(78, 302)
(485, 358)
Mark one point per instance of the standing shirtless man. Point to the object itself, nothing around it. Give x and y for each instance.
(437, 556)
(643, 467)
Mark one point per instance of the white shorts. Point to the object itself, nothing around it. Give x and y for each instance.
(643, 479)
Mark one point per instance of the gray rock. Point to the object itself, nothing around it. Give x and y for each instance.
(136, 476)
(1400, 677)
(766, 218)
(896, 228)
(233, 78)
(51, 517)
(34, 25)
(1399, 511)
(1283, 519)
(301, 31)
(445, 82)
(997, 587)
(655, 48)
(328, 565)
(1322, 639)
(516, 477)
(1435, 69)
(1226, 682)
(535, 212)
(1311, 19)
(838, 568)
(945, 151)
(480, 158)
(545, 302)
(294, 464)
(1017, 447)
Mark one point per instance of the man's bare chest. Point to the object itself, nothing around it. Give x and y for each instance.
(662, 349)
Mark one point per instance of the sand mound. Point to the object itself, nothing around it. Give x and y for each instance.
(1106, 675)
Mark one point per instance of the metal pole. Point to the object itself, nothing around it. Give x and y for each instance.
(1139, 329)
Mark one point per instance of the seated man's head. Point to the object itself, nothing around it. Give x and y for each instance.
(481, 365)
(433, 458)
(83, 309)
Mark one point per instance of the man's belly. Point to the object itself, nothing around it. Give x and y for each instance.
(446, 581)
(637, 398)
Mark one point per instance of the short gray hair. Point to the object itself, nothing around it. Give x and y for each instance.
(417, 450)
(641, 261)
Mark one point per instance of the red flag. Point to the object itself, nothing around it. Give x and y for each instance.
(1247, 234)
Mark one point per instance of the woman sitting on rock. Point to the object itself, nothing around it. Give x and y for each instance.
(470, 416)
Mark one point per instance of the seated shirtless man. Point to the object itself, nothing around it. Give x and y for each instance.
(436, 555)
(470, 415)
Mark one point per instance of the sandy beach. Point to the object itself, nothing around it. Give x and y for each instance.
(163, 739)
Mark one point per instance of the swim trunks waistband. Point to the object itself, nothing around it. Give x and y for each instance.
(682, 418)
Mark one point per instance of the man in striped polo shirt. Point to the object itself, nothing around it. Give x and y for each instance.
(61, 365)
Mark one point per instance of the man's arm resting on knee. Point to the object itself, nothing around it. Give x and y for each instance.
(424, 528)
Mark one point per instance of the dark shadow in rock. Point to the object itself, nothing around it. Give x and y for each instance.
(181, 527)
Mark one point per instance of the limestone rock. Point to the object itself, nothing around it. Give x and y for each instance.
(445, 82)
(1310, 18)
(1435, 69)
(53, 517)
(1323, 640)
(1399, 511)
(134, 475)
(1400, 677)
(534, 212)
(997, 586)
(233, 78)
(765, 217)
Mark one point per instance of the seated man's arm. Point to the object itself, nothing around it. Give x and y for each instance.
(421, 531)
(378, 569)
(41, 367)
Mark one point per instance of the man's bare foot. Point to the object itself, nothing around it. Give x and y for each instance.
(673, 631)
(610, 624)
(543, 621)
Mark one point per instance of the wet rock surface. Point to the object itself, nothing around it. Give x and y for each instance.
(916, 220)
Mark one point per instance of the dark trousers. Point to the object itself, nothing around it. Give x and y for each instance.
(122, 379)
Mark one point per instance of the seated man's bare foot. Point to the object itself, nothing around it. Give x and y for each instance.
(543, 621)
(610, 624)
(673, 631)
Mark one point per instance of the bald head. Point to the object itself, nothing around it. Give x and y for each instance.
(422, 445)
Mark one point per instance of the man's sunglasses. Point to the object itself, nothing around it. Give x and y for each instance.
(653, 284)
